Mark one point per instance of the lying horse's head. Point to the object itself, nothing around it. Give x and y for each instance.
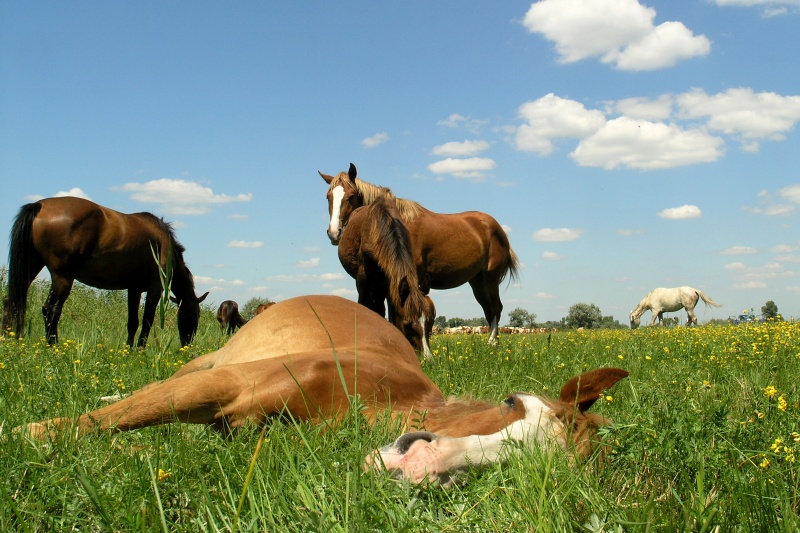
(482, 436)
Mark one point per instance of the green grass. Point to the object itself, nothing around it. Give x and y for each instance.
(693, 447)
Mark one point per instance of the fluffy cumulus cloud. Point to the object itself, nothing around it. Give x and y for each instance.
(180, 197)
(460, 149)
(784, 205)
(551, 117)
(739, 250)
(771, 8)
(375, 140)
(552, 256)
(644, 145)
(618, 32)
(743, 113)
(311, 263)
(75, 191)
(245, 244)
(683, 212)
(557, 234)
(472, 168)
(657, 133)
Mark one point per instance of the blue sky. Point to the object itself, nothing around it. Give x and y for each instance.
(624, 145)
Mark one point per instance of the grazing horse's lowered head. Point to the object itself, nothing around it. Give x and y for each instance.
(305, 359)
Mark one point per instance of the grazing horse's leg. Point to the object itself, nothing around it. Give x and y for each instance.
(134, 298)
(60, 287)
(151, 300)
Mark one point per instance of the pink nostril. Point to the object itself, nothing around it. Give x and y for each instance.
(402, 444)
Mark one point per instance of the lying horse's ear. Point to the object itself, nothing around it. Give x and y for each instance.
(328, 179)
(352, 172)
(587, 388)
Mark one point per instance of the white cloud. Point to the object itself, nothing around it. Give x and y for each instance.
(473, 168)
(736, 265)
(75, 191)
(551, 117)
(375, 140)
(552, 256)
(739, 250)
(770, 207)
(311, 263)
(557, 234)
(460, 149)
(459, 121)
(683, 212)
(741, 112)
(791, 193)
(620, 32)
(643, 145)
(345, 293)
(300, 278)
(206, 280)
(629, 232)
(179, 196)
(245, 244)
(545, 296)
(750, 285)
(645, 108)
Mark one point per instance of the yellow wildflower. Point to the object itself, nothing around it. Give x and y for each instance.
(782, 403)
(164, 474)
(764, 463)
(770, 391)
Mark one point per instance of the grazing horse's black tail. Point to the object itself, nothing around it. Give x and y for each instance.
(20, 257)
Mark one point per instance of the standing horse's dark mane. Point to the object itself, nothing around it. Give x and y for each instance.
(391, 246)
(409, 209)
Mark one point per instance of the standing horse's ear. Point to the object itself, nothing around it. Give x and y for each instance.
(203, 297)
(328, 179)
(352, 172)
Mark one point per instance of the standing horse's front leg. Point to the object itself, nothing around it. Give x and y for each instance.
(60, 287)
(134, 298)
(151, 300)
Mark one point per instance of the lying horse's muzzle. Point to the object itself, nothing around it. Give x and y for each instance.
(412, 456)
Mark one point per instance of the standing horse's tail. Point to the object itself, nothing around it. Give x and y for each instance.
(20, 265)
(391, 249)
(706, 299)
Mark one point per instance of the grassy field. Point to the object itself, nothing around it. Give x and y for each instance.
(705, 436)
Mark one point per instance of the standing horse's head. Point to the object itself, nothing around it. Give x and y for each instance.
(635, 320)
(188, 315)
(343, 198)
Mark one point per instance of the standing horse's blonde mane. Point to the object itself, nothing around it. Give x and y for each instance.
(409, 209)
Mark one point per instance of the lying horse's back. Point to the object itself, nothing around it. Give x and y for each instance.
(326, 322)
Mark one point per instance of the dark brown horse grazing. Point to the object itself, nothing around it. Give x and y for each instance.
(304, 358)
(376, 252)
(449, 249)
(228, 316)
(79, 240)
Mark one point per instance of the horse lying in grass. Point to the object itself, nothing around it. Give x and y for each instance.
(660, 301)
(306, 357)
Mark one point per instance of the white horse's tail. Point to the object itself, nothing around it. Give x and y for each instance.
(706, 299)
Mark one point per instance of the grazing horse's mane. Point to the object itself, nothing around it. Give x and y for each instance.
(409, 209)
(179, 265)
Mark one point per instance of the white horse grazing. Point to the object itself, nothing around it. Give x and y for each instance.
(662, 300)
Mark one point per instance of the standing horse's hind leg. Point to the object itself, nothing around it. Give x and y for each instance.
(60, 287)
(488, 296)
(134, 298)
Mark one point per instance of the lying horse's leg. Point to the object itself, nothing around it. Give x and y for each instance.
(60, 288)
(201, 397)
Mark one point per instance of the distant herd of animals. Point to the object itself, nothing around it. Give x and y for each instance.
(282, 360)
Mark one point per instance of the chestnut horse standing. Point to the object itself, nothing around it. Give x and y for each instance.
(376, 252)
(449, 249)
(305, 358)
(79, 240)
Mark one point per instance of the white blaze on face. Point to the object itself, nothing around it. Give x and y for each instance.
(334, 227)
(438, 460)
